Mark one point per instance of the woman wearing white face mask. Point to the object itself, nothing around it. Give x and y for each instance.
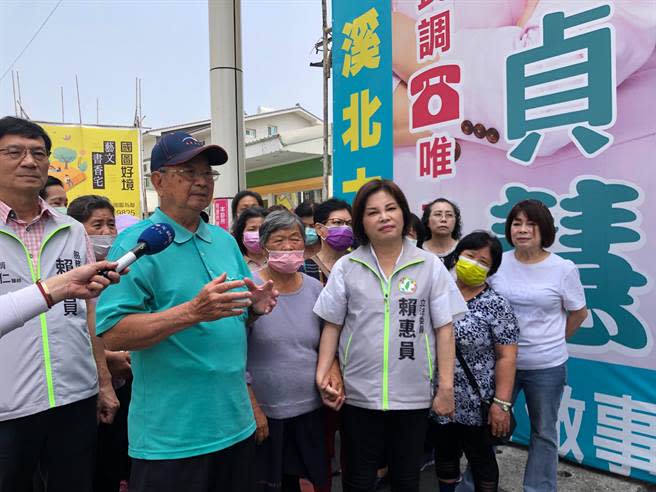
(282, 356)
(246, 233)
(96, 213)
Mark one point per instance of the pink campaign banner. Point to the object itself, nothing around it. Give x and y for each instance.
(222, 213)
(497, 101)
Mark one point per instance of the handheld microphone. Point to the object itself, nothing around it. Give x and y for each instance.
(152, 240)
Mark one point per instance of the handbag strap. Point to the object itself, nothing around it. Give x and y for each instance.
(470, 376)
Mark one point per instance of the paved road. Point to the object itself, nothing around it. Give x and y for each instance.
(571, 478)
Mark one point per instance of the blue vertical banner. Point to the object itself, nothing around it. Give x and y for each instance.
(362, 94)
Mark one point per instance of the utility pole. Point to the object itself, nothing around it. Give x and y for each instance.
(23, 114)
(79, 107)
(13, 86)
(326, 76)
(226, 93)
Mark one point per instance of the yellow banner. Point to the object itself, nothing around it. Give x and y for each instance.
(98, 161)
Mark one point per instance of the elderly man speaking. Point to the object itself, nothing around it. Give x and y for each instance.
(182, 314)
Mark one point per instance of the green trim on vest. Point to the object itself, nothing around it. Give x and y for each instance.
(44, 326)
(429, 357)
(47, 364)
(386, 289)
(348, 344)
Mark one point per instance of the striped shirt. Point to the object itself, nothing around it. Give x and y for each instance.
(32, 233)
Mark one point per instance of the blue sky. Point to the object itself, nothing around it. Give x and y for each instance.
(110, 42)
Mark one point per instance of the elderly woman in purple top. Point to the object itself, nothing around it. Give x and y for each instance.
(282, 359)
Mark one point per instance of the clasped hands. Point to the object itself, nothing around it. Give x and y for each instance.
(218, 299)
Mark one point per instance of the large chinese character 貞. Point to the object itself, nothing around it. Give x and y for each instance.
(433, 35)
(597, 230)
(626, 433)
(362, 132)
(362, 44)
(436, 155)
(434, 97)
(566, 83)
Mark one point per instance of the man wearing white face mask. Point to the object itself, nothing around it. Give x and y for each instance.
(96, 213)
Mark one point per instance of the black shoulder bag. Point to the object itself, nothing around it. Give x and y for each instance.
(485, 406)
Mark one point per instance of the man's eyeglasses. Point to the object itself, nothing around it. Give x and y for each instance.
(338, 222)
(39, 154)
(191, 174)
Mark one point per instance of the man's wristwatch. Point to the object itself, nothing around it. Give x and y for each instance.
(505, 405)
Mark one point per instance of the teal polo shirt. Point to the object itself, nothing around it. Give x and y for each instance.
(189, 393)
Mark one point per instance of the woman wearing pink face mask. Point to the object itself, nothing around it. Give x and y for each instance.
(283, 349)
(246, 233)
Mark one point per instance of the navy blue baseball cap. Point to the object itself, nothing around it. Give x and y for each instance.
(180, 147)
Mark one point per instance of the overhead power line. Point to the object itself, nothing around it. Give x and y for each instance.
(43, 24)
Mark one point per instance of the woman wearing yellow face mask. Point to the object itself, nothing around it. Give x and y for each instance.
(486, 341)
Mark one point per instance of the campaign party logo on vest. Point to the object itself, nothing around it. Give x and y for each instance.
(407, 285)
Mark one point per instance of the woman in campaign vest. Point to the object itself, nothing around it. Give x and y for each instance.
(389, 306)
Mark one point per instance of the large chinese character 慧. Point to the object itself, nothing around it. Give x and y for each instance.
(566, 83)
(602, 219)
(362, 44)
(362, 132)
(434, 96)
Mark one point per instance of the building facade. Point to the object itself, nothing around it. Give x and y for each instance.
(284, 150)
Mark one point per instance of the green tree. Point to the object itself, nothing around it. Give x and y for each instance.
(64, 155)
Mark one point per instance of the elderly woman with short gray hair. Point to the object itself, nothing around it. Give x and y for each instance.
(282, 358)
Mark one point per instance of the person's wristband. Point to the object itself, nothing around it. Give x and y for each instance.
(43, 288)
(505, 405)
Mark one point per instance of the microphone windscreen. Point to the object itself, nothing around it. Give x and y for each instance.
(156, 238)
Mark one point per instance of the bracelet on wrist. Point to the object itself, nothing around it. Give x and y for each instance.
(502, 402)
(43, 288)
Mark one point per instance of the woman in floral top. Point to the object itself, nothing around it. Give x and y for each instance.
(487, 339)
